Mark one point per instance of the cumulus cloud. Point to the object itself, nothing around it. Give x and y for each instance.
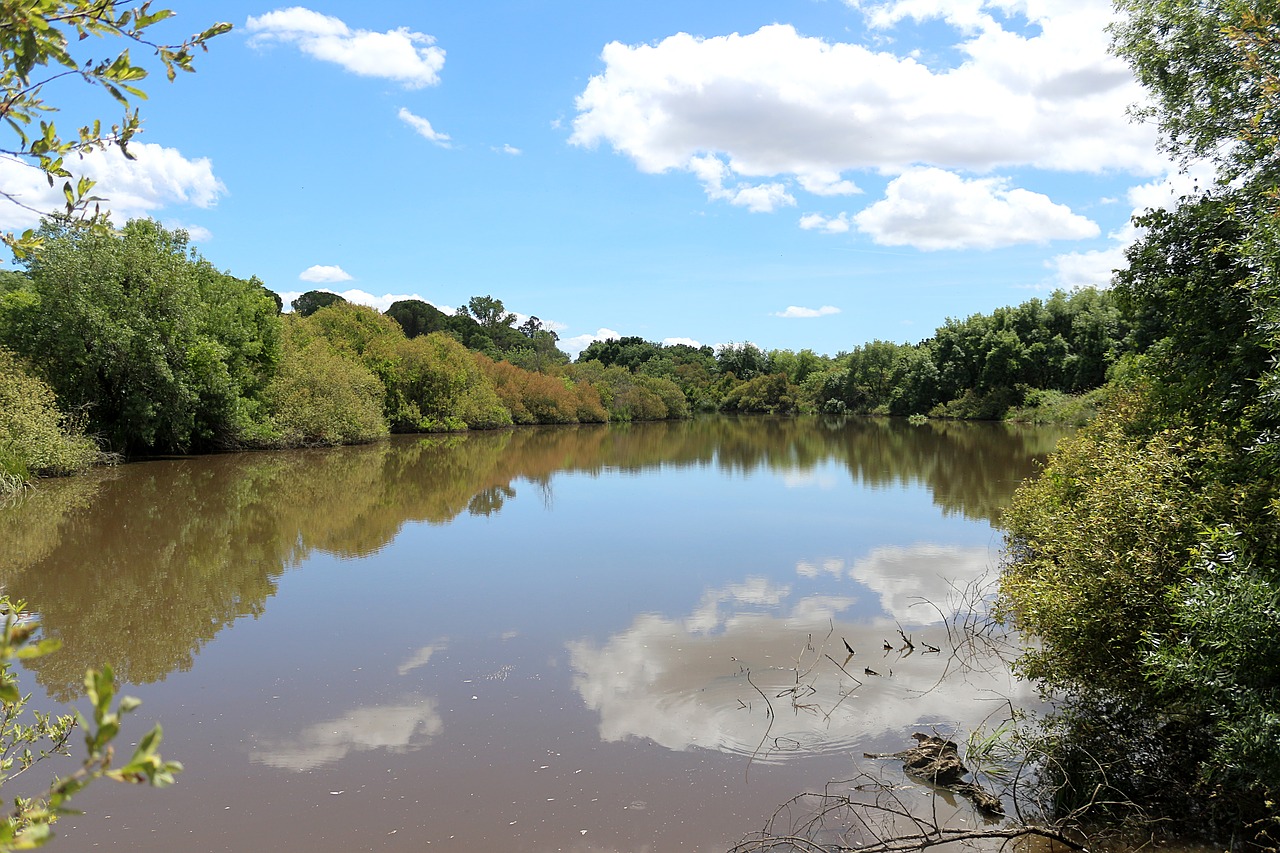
(774, 104)
(410, 58)
(1095, 268)
(322, 274)
(683, 683)
(158, 178)
(196, 233)
(933, 209)
(423, 128)
(757, 198)
(510, 149)
(826, 224)
(689, 342)
(794, 311)
(578, 343)
(919, 583)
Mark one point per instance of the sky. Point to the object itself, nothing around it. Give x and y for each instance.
(795, 173)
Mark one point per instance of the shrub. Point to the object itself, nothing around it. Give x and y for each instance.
(320, 397)
(35, 437)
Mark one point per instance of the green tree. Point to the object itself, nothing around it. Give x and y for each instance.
(36, 48)
(313, 300)
(162, 351)
(488, 312)
(1145, 558)
(417, 317)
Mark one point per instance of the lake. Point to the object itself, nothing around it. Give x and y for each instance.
(612, 638)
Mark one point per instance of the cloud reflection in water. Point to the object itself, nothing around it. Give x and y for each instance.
(395, 728)
(692, 682)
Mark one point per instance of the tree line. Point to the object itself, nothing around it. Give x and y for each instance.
(982, 367)
(133, 338)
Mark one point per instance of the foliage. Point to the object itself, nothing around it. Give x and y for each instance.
(313, 300)
(417, 317)
(532, 398)
(1145, 557)
(163, 352)
(1211, 68)
(29, 823)
(1093, 598)
(321, 396)
(440, 386)
(1223, 659)
(1054, 407)
(35, 437)
(35, 49)
(765, 393)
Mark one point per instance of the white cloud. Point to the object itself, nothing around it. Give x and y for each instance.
(794, 311)
(774, 103)
(1086, 269)
(196, 233)
(933, 209)
(758, 198)
(915, 583)
(420, 658)
(1095, 268)
(410, 58)
(827, 183)
(578, 343)
(827, 224)
(689, 342)
(158, 178)
(423, 128)
(510, 149)
(322, 274)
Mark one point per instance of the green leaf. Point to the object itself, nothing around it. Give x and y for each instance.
(39, 649)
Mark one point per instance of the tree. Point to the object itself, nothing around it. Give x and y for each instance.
(35, 50)
(417, 317)
(313, 300)
(1145, 558)
(488, 312)
(163, 351)
(1212, 69)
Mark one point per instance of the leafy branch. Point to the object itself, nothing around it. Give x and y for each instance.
(35, 38)
(29, 823)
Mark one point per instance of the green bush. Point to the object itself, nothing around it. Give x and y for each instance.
(320, 397)
(1094, 598)
(35, 437)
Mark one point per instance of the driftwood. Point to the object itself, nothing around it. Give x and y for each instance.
(937, 761)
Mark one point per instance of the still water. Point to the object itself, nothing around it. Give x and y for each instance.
(615, 638)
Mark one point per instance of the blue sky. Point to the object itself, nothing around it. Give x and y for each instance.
(797, 173)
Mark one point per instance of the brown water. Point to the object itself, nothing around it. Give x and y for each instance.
(626, 638)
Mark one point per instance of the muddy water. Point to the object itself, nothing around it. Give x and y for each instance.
(587, 639)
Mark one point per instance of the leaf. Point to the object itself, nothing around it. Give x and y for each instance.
(39, 649)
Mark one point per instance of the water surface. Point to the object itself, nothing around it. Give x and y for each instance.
(615, 638)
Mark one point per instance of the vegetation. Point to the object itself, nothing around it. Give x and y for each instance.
(1031, 362)
(36, 437)
(35, 50)
(1147, 556)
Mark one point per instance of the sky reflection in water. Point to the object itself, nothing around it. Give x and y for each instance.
(507, 640)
